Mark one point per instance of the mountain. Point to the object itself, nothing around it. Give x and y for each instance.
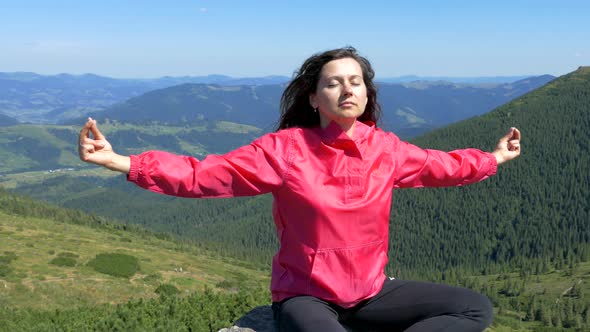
(427, 105)
(189, 104)
(52, 99)
(34, 98)
(221, 80)
(535, 209)
(7, 121)
(409, 109)
(199, 119)
(454, 79)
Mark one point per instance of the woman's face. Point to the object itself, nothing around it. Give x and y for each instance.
(341, 94)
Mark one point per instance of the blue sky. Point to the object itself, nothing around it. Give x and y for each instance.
(144, 39)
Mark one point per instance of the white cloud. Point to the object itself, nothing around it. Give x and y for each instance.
(203, 10)
(578, 54)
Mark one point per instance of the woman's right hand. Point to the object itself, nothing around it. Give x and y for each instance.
(97, 150)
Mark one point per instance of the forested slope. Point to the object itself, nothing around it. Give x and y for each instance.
(535, 210)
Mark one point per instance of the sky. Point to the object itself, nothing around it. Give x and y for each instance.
(241, 38)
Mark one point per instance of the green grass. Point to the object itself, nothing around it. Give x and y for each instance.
(232, 127)
(14, 180)
(36, 283)
(553, 286)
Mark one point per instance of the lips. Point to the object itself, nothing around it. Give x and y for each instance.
(346, 104)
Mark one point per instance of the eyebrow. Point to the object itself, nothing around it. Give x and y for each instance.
(340, 77)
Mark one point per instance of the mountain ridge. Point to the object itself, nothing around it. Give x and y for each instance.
(431, 104)
(34, 98)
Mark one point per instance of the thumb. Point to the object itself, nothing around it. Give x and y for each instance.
(98, 144)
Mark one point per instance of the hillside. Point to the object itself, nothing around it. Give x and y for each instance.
(46, 255)
(190, 104)
(537, 207)
(46, 148)
(47, 282)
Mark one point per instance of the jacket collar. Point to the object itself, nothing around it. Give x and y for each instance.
(333, 132)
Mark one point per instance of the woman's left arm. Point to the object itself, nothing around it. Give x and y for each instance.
(417, 167)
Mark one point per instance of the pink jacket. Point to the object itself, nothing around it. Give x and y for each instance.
(332, 198)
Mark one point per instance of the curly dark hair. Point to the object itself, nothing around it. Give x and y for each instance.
(295, 108)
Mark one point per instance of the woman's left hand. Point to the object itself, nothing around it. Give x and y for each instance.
(508, 147)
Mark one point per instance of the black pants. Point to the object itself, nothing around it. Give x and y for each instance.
(400, 306)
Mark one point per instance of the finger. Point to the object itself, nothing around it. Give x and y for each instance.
(85, 150)
(95, 132)
(507, 137)
(85, 130)
(515, 133)
(92, 142)
(513, 146)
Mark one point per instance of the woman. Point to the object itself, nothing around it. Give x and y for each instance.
(331, 172)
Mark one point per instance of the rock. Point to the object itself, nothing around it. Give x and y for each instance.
(259, 319)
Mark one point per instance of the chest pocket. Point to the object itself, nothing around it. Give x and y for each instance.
(347, 274)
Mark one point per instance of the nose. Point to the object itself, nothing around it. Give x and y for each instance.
(347, 88)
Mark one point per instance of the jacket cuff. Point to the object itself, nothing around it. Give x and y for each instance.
(134, 169)
(493, 165)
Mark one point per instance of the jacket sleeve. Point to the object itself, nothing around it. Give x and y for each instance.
(417, 167)
(253, 169)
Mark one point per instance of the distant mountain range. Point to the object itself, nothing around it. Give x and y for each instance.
(455, 79)
(34, 98)
(409, 109)
(198, 119)
(7, 121)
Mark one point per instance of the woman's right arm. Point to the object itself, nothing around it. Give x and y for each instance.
(253, 169)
